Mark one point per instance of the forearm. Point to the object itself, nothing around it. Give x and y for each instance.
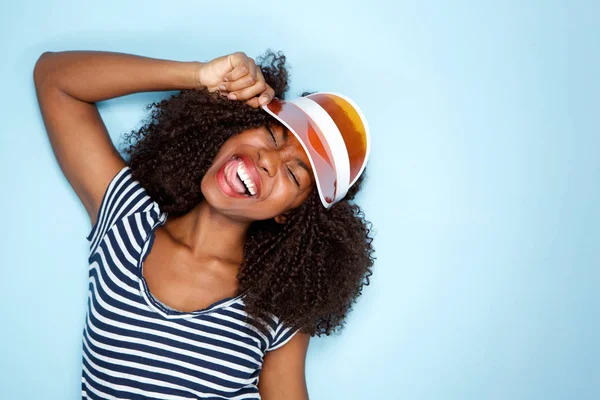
(94, 76)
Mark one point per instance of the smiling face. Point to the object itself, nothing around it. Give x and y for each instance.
(259, 174)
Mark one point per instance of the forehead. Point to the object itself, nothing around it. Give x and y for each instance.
(286, 137)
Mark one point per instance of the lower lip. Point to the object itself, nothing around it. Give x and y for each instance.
(225, 187)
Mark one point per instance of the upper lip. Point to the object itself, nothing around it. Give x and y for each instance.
(252, 170)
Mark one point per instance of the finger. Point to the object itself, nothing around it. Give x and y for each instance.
(255, 90)
(253, 102)
(253, 68)
(237, 81)
(237, 72)
(242, 65)
(249, 92)
(258, 101)
(263, 99)
(266, 96)
(241, 83)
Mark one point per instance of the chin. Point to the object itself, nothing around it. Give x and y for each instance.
(212, 194)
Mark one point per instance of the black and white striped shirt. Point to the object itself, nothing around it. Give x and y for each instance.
(136, 348)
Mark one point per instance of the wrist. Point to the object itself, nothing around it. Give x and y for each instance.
(199, 80)
(185, 74)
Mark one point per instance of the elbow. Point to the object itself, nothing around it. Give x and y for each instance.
(41, 70)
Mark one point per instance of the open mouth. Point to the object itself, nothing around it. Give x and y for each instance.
(239, 178)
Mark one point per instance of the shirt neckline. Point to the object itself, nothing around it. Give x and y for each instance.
(152, 301)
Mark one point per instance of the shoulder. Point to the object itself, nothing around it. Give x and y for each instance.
(283, 371)
(123, 197)
(281, 334)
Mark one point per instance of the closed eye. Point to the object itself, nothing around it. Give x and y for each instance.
(294, 177)
(273, 138)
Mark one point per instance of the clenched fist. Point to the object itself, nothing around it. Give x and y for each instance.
(238, 77)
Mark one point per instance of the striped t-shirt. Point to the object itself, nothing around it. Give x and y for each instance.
(136, 348)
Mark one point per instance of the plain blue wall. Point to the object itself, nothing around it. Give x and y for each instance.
(483, 186)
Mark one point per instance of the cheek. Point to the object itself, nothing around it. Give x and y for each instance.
(284, 192)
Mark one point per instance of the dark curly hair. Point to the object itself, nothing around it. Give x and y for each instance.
(307, 272)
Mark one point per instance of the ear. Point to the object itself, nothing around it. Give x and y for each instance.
(282, 218)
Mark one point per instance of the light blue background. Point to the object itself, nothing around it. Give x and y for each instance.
(483, 186)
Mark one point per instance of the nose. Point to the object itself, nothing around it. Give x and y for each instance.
(268, 160)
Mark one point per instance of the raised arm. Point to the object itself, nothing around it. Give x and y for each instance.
(68, 84)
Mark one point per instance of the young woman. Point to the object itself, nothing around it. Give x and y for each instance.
(226, 240)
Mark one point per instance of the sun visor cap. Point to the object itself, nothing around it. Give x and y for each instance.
(335, 136)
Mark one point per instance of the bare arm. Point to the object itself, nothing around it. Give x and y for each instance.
(67, 86)
(282, 375)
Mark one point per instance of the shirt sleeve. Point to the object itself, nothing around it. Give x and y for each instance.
(283, 334)
(122, 197)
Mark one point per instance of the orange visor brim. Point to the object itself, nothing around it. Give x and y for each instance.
(313, 141)
(351, 124)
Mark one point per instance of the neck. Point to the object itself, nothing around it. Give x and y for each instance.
(208, 233)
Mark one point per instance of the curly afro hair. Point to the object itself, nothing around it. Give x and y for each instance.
(307, 272)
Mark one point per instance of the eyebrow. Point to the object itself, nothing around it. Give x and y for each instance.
(285, 134)
(302, 164)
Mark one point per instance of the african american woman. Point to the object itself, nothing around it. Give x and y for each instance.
(224, 236)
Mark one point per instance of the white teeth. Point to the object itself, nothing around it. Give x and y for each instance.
(245, 177)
